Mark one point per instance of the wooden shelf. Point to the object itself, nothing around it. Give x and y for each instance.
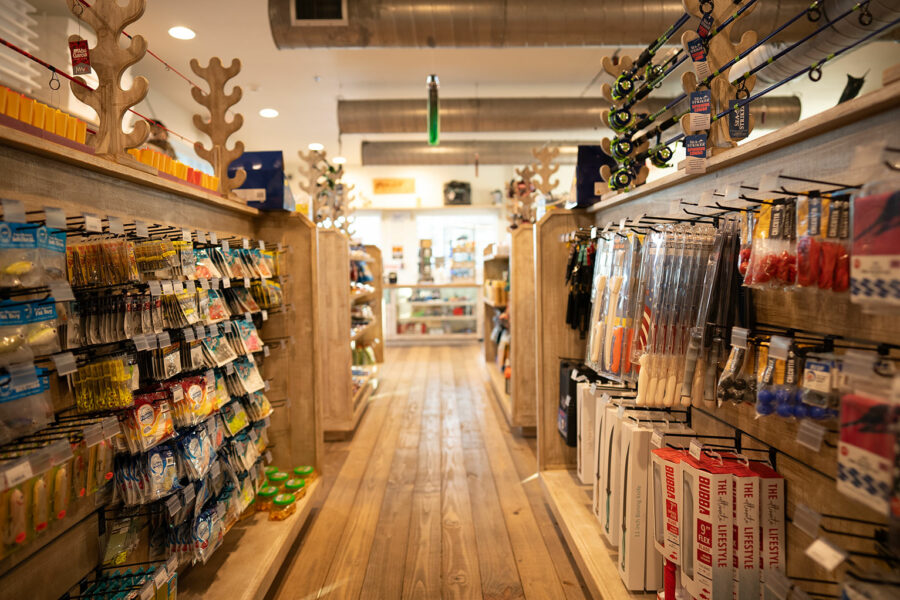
(498, 385)
(361, 332)
(428, 286)
(570, 502)
(492, 305)
(354, 298)
(36, 145)
(458, 208)
(439, 303)
(251, 554)
(432, 338)
(438, 318)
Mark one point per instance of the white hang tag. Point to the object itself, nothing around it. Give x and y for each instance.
(262, 245)
(656, 438)
(178, 287)
(185, 235)
(265, 315)
(622, 223)
(246, 282)
(226, 282)
(694, 165)
(201, 236)
(64, 363)
(155, 288)
(163, 339)
(706, 198)
(13, 211)
(54, 217)
(204, 283)
(810, 434)
(167, 287)
(732, 192)
(92, 223)
(245, 243)
(266, 351)
(189, 334)
(739, 337)
(140, 229)
(61, 291)
(695, 449)
(190, 286)
(140, 342)
(213, 238)
(115, 225)
(827, 554)
(780, 347)
(225, 247)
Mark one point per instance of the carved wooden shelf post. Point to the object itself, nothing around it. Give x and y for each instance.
(522, 204)
(311, 171)
(218, 128)
(545, 168)
(109, 60)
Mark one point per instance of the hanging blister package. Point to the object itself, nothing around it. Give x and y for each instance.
(51, 244)
(602, 265)
(25, 404)
(19, 265)
(773, 259)
(875, 271)
(818, 393)
(148, 423)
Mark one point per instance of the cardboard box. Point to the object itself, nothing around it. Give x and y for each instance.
(638, 568)
(771, 517)
(599, 418)
(747, 574)
(707, 566)
(666, 503)
(608, 506)
(587, 406)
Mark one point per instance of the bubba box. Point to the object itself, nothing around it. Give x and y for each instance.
(667, 492)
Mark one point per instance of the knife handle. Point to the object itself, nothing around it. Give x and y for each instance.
(709, 382)
(643, 379)
(671, 380)
(595, 343)
(690, 364)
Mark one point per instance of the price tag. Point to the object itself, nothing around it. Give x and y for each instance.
(732, 192)
(155, 288)
(160, 577)
(163, 339)
(199, 331)
(167, 287)
(706, 198)
(769, 182)
(172, 564)
(266, 385)
(810, 434)
(177, 393)
(61, 291)
(694, 166)
(14, 211)
(213, 331)
(265, 315)
(268, 456)
(213, 238)
(697, 51)
(189, 335)
(695, 449)
(827, 554)
(226, 326)
(201, 236)
(178, 287)
(16, 474)
(225, 247)
(54, 217)
(656, 438)
(204, 283)
(185, 235)
(92, 223)
(190, 286)
(246, 282)
(265, 351)
(226, 282)
(140, 229)
(64, 363)
(779, 347)
(148, 592)
(807, 520)
(115, 225)
(739, 337)
(621, 411)
(262, 245)
(738, 119)
(280, 247)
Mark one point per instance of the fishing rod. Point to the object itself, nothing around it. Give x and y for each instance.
(624, 83)
(620, 119)
(622, 147)
(622, 177)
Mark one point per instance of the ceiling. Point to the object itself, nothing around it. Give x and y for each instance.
(305, 84)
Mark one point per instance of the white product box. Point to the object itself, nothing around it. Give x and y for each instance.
(771, 517)
(707, 546)
(638, 568)
(666, 505)
(747, 576)
(587, 406)
(609, 463)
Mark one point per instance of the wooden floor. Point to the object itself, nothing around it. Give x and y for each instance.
(434, 497)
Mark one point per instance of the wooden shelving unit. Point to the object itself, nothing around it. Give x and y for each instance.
(41, 174)
(394, 319)
(805, 149)
(246, 564)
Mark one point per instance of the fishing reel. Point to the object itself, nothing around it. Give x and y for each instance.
(623, 86)
(620, 119)
(621, 178)
(621, 148)
(660, 156)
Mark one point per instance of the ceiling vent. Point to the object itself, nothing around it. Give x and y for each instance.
(319, 12)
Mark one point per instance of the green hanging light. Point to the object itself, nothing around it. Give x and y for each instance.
(434, 121)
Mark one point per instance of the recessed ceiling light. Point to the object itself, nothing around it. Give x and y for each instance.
(316, 147)
(339, 160)
(268, 113)
(182, 33)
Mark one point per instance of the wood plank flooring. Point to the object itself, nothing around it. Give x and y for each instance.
(434, 497)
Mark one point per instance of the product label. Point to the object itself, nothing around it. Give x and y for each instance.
(844, 221)
(697, 51)
(776, 222)
(738, 119)
(81, 57)
(814, 221)
(833, 220)
(817, 375)
(695, 145)
(705, 25)
(17, 236)
(53, 240)
(701, 107)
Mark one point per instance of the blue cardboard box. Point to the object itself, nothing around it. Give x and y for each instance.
(265, 187)
(588, 183)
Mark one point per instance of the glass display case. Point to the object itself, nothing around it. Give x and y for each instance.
(433, 312)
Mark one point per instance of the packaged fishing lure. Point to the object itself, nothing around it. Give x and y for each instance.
(773, 259)
(875, 275)
(148, 423)
(19, 259)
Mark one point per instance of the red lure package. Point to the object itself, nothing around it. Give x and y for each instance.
(823, 231)
(773, 256)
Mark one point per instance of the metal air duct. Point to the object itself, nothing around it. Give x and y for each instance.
(517, 114)
(502, 23)
(840, 35)
(489, 152)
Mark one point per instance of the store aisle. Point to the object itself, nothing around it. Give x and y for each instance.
(435, 498)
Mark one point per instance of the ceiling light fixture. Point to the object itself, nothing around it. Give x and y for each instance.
(316, 147)
(268, 113)
(182, 33)
(339, 160)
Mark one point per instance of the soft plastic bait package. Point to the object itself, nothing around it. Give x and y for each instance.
(148, 423)
(25, 408)
(51, 244)
(818, 394)
(19, 264)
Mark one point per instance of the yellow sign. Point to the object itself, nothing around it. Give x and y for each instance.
(394, 186)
